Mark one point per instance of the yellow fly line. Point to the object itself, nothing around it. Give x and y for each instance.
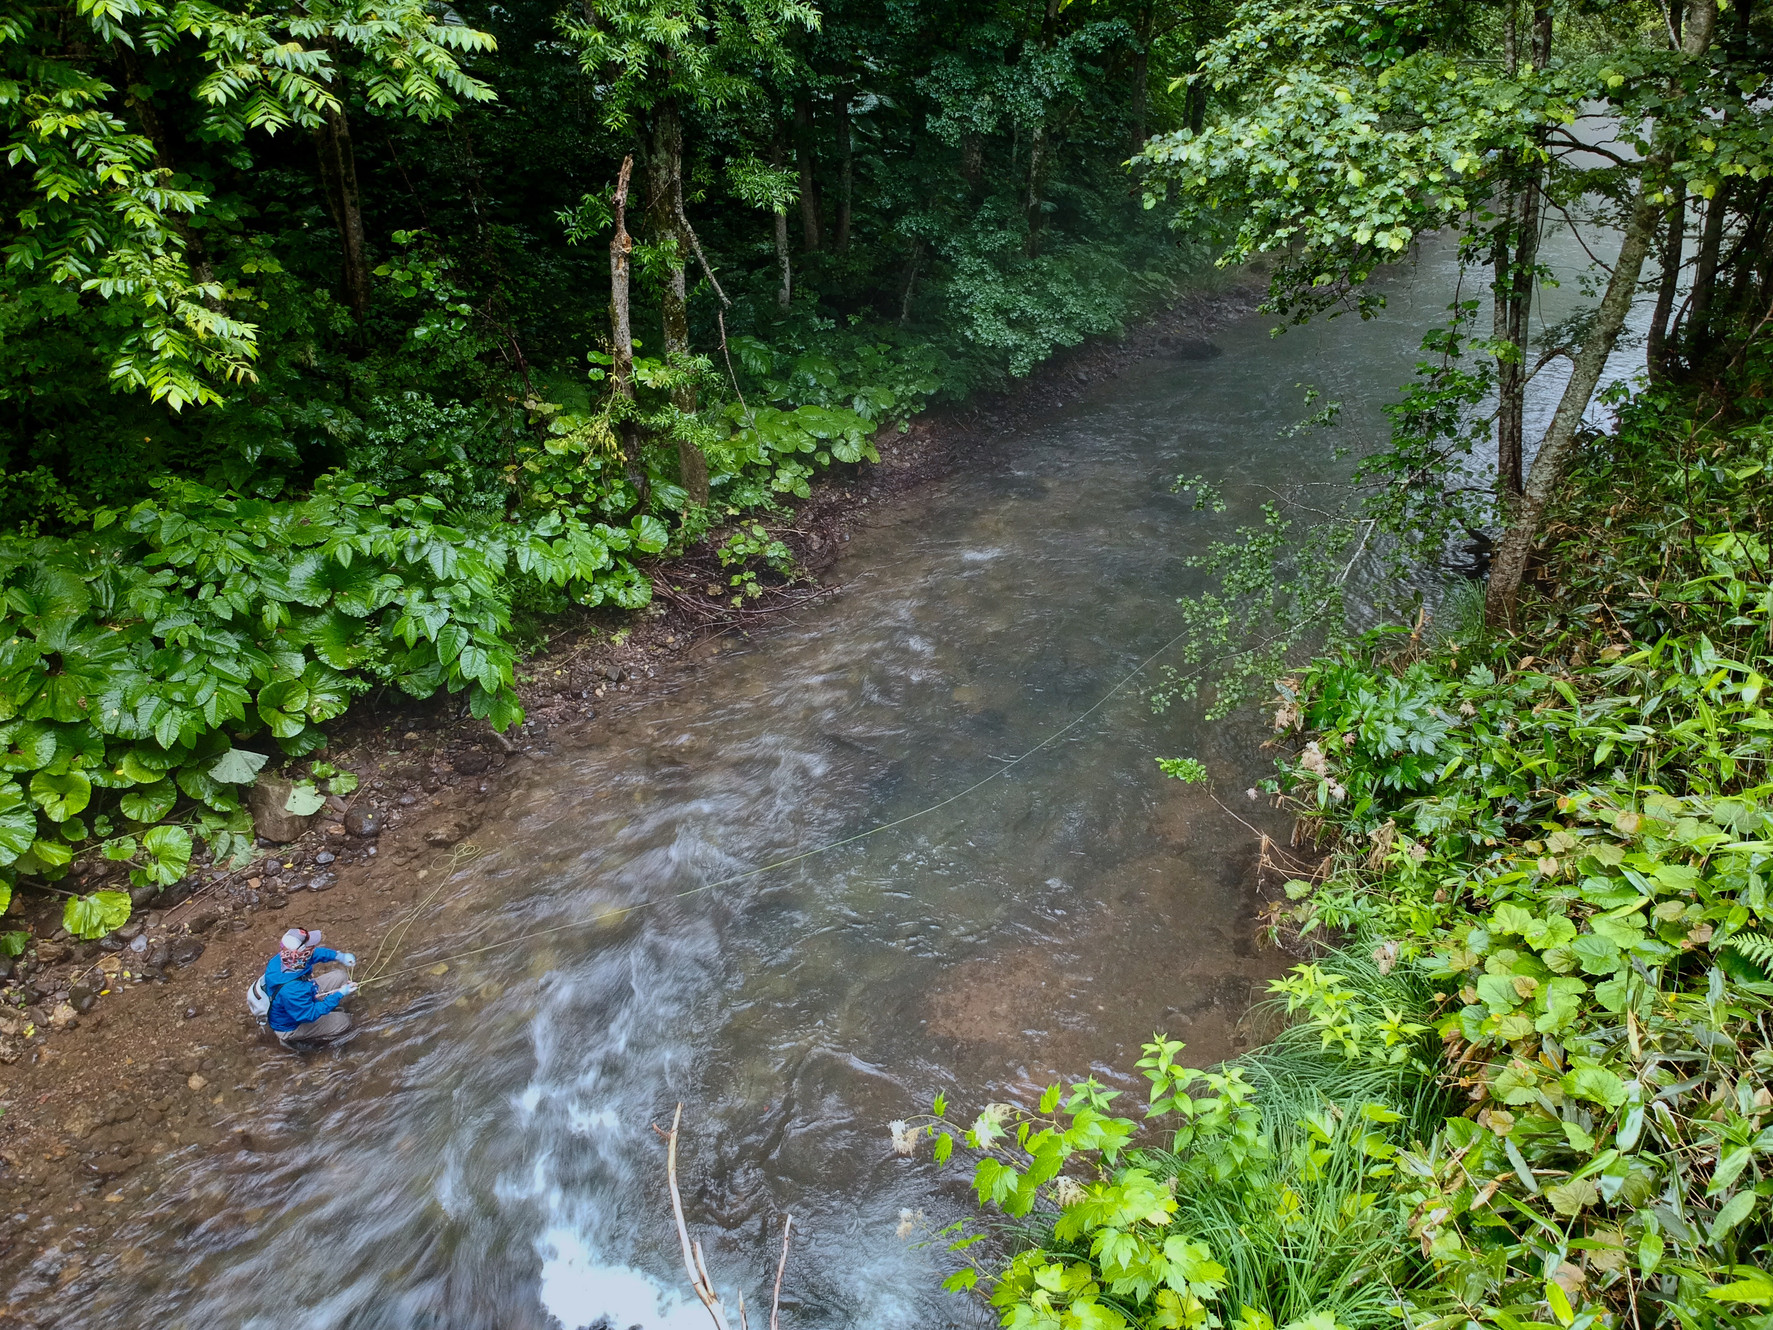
(398, 933)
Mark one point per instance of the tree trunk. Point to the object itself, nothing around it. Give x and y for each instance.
(1547, 472)
(1032, 210)
(784, 292)
(621, 333)
(1705, 275)
(1516, 255)
(912, 264)
(338, 177)
(803, 158)
(665, 203)
(1674, 236)
(846, 169)
(1141, 76)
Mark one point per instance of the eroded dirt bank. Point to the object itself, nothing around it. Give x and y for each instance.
(140, 1048)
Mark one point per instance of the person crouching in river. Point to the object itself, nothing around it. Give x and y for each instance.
(304, 1007)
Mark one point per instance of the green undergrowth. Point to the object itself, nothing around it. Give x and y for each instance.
(1530, 1083)
(156, 656)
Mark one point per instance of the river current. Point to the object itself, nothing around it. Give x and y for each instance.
(483, 1155)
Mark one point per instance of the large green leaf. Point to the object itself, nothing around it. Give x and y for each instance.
(304, 799)
(169, 854)
(18, 824)
(60, 797)
(29, 745)
(238, 766)
(95, 915)
(149, 803)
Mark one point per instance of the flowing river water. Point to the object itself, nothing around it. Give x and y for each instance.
(482, 1156)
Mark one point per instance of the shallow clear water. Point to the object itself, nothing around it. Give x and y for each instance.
(483, 1155)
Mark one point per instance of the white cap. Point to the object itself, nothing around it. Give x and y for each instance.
(297, 938)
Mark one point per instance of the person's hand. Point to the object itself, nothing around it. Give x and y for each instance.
(348, 957)
(345, 990)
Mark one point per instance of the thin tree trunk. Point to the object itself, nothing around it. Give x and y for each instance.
(785, 291)
(621, 328)
(1516, 257)
(972, 162)
(1705, 275)
(845, 170)
(1141, 76)
(1554, 449)
(1032, 210)
(911, 266)
(338, 177)
(803, 158)
(1674, 236)
(665, 203)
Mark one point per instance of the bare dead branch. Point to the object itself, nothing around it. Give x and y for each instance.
(692, 1255)
(776, 1301)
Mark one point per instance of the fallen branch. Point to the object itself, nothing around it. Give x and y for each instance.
(693, 1263)
(692, 1252)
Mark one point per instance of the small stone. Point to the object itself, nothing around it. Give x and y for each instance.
(447, 833)
(325, 857)
(82, 997)
(191, 1014)
(470, 763)
(140, 944)
(323, 882)
(276, 901)
(184, 952)
(63, 1017)
(408, 799)
(196, 1082)
(366, 822)
(202, 921)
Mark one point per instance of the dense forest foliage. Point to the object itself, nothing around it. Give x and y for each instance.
(333, 336)
(1522, 1078)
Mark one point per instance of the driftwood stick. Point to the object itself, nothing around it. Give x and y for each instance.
(692, 1255)
(776, 1302)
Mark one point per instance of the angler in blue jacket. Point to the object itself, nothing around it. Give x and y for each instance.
(304, 1006)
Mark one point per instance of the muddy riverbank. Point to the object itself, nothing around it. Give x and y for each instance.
(143, 1057)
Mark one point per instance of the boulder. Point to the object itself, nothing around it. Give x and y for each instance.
(364, 822)
(270, 819)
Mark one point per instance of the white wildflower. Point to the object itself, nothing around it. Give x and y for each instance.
(998, 1114)
(1286, 716)
(904, 1137)
(1251, 793)
(1068, 1191)
(1385, 957)
(1313, 760)
(1338, 791)
(1418, 851)
(909, 1222)
(1466, 709)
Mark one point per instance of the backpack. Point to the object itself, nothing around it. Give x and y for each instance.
(258, 1001)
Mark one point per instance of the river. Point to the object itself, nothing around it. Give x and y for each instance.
(483, 1157)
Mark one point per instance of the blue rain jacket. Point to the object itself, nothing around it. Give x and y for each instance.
(276, 976)
(294, 998)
